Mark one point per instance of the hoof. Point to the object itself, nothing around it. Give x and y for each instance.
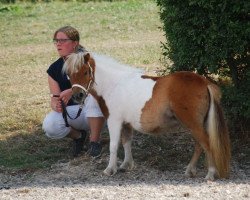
(190, 173)
(126, 166)
(209, 177)
(109, 171)
(212, 173)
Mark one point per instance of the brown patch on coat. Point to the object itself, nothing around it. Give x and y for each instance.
(102, 103)
(126, 133)
(181, 97)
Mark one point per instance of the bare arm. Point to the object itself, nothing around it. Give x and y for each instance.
(55, 90)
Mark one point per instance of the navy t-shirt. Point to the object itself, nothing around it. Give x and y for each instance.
(55, 72)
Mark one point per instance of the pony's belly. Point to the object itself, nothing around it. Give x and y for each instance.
(157, 117)
(162, 129)
(157, 123)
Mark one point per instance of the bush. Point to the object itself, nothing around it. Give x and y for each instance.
(237, 103)
(211, 37)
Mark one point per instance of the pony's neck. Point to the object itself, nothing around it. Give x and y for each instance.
(109, 73)
(106, 80)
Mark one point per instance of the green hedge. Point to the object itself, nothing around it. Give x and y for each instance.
(212, 37)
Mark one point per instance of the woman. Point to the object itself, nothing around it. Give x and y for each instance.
(66, 40)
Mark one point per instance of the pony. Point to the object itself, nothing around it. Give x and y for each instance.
(131, 101)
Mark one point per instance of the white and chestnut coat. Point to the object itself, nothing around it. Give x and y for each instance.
(131, 100)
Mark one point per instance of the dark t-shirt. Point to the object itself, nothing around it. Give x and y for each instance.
(55, 72)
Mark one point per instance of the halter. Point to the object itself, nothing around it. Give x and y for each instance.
(86, 90)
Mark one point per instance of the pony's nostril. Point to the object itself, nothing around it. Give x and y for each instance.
(81, 95)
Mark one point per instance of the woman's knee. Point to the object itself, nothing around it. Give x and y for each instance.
(53, 128)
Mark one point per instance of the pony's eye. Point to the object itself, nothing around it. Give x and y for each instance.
(85, 73)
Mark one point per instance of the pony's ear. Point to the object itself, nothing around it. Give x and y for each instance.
(86, 57)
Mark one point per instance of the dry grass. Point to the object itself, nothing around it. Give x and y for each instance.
(127, 30)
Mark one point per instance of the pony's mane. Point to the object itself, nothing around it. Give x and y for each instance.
(74, 62)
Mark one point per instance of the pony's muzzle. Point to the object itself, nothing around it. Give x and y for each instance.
(79, 97)
(80, 93)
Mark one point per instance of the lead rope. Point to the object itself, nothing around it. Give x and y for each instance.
(65, 113)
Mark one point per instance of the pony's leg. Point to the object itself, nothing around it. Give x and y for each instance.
(127, 135)
(191, 168)
(114, 133)
(201, 136)
(212, 171)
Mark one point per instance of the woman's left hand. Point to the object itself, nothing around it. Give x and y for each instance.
(65, 96)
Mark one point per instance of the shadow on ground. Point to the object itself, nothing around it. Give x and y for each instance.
(161, 158)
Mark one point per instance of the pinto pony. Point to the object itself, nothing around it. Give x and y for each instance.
(154, 105)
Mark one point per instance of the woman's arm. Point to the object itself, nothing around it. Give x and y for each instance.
(54, 88)
(66, 95)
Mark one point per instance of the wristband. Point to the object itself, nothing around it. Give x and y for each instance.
(54, 95)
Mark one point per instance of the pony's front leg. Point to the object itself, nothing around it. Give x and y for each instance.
(114, 134)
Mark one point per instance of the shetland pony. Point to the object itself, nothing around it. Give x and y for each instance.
(130, 100)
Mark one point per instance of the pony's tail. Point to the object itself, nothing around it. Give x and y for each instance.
(218, 133)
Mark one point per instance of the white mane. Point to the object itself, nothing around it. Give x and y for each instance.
(75, 61)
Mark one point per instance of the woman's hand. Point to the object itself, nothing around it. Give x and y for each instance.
(65, 96)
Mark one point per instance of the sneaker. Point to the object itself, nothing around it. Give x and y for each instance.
(78, 144)
(95, 149)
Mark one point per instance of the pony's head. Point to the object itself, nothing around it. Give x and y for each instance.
(79, 68)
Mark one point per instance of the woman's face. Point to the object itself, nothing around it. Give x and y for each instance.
(64, 45)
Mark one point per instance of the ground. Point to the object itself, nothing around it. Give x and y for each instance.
(158, 174)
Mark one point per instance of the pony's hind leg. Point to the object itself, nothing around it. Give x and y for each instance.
(127, 135)
(203, 139)
(212, 171)
(191, 168)
(193, 119)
